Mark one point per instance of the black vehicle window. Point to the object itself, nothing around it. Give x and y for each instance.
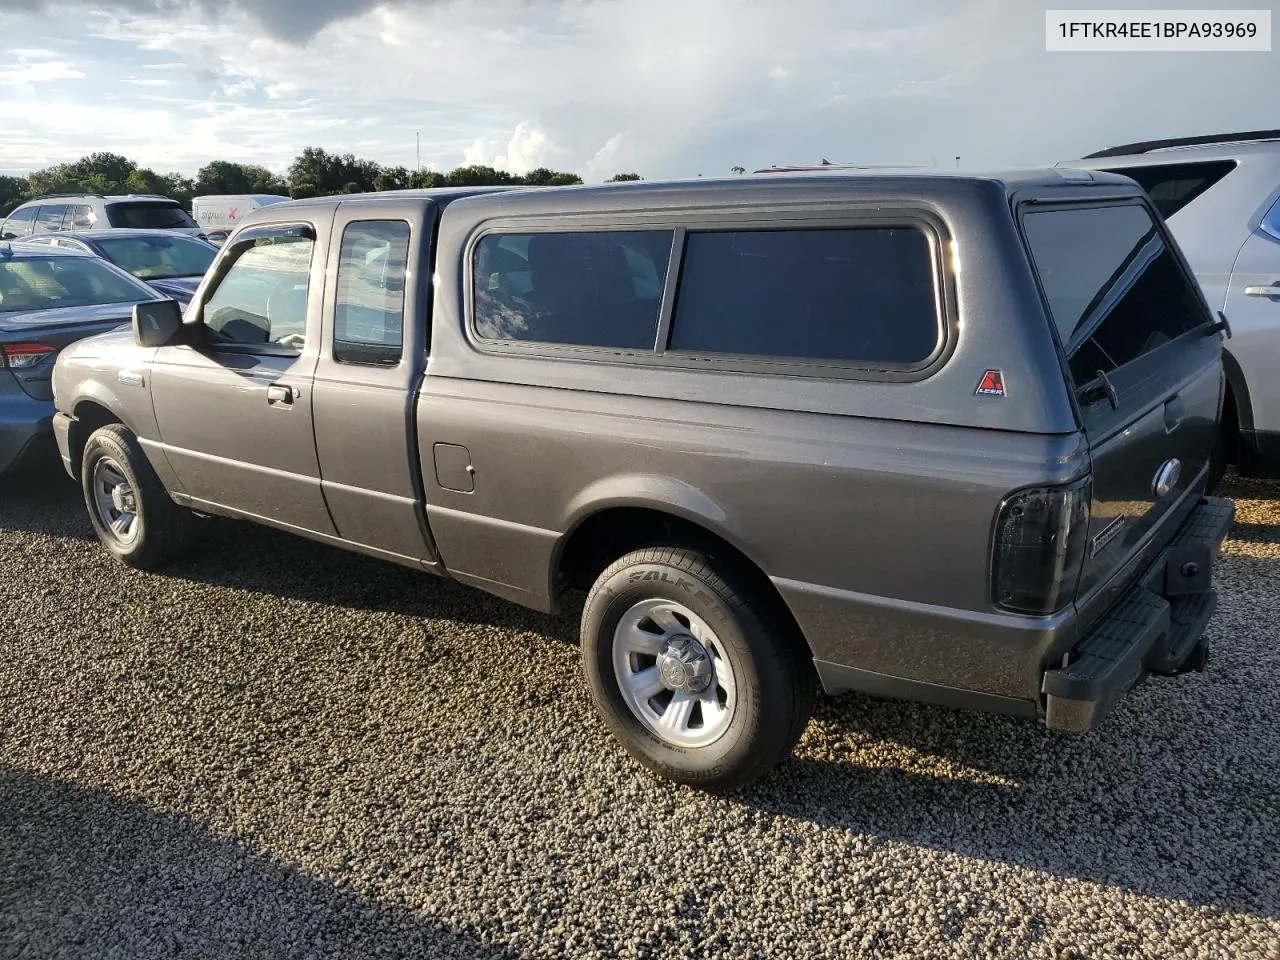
(263, 296)
(158, 256)
(20, 222)
(1114, 288)
(862, 296)
(50, 217)
(369, 316)
(1172, 186)
(595, 289)
(149, 215)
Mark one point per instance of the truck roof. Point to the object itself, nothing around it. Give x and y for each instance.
(669, 193)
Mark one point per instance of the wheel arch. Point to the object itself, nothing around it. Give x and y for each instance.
(1237, 392)
(88, 414)
(613, 528)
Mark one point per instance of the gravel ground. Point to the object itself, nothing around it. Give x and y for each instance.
(276, 749)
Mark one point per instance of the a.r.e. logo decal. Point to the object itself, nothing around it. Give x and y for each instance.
(991, 384)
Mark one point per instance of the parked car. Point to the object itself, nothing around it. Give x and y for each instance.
(48, 299)
(171, 263)
(938, 437)
(90, 211)
(1221, 196)
(224, 211)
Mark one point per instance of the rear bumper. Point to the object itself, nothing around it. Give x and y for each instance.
(1157, 626)
(24, 423)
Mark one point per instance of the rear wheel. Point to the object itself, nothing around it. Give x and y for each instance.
(129, 508)
(699, 683)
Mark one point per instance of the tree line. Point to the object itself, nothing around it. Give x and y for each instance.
(313, 173)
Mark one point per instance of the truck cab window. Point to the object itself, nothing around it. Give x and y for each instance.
(368, 322)
(263, 297)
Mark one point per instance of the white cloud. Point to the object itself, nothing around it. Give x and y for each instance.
(661, 87)
(239, 90)
(282, 90)
(27, 72)
(527, 148)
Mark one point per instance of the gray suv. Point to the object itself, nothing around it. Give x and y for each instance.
(1221, 196)
(939, 437)
(91, 211)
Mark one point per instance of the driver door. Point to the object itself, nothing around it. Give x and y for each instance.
(234, 409)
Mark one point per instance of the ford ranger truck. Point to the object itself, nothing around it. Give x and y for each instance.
(936, 436)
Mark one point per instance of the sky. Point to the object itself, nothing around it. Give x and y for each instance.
(665, 88)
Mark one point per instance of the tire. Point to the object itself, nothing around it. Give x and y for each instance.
(736, 699)
(1218, 459)
(138, 523)
(1226, 444)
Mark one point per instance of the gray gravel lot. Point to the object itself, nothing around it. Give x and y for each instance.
(277, 749)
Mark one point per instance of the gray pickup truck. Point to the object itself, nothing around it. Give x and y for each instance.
(930, 436)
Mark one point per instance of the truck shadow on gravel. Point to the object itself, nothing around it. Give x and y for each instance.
(92, 875)
(1180, 827)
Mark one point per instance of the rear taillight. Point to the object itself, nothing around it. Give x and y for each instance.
(1039, 547)
(22, 355)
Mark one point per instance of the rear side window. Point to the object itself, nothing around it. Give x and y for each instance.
(1172, 186)
(861, 296)
(149, 215)
(592, 289)
(50, 218)
(1114, 288)
(369, 316)
(80, 217)
(20, 222)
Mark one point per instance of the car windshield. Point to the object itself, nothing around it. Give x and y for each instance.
(149, 215)
(46, 283)
(159, 258)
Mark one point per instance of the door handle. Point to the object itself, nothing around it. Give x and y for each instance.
(1174, 412)
(1271, 292)
(279, 395)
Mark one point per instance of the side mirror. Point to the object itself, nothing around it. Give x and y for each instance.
(156, 322)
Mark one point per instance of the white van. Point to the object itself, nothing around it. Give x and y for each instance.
(224, 213)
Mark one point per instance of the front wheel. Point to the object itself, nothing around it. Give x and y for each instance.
(696, 682)
(129, 508)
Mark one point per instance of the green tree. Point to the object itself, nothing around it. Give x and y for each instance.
(144, 181)
(427, 180)
(13, 191)
(478, 175)
(392, 178)
(180, 188)
(331, 172)
(225, 177)
(624, 178)
(301, 191)
(96, 173)
(737, 169)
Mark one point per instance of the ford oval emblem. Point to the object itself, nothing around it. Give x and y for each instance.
(1166, 477)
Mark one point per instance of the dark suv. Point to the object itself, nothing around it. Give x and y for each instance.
(940, 437)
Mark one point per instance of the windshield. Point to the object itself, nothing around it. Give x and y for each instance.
(149, 215)
(159, 258)
(40, 283)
